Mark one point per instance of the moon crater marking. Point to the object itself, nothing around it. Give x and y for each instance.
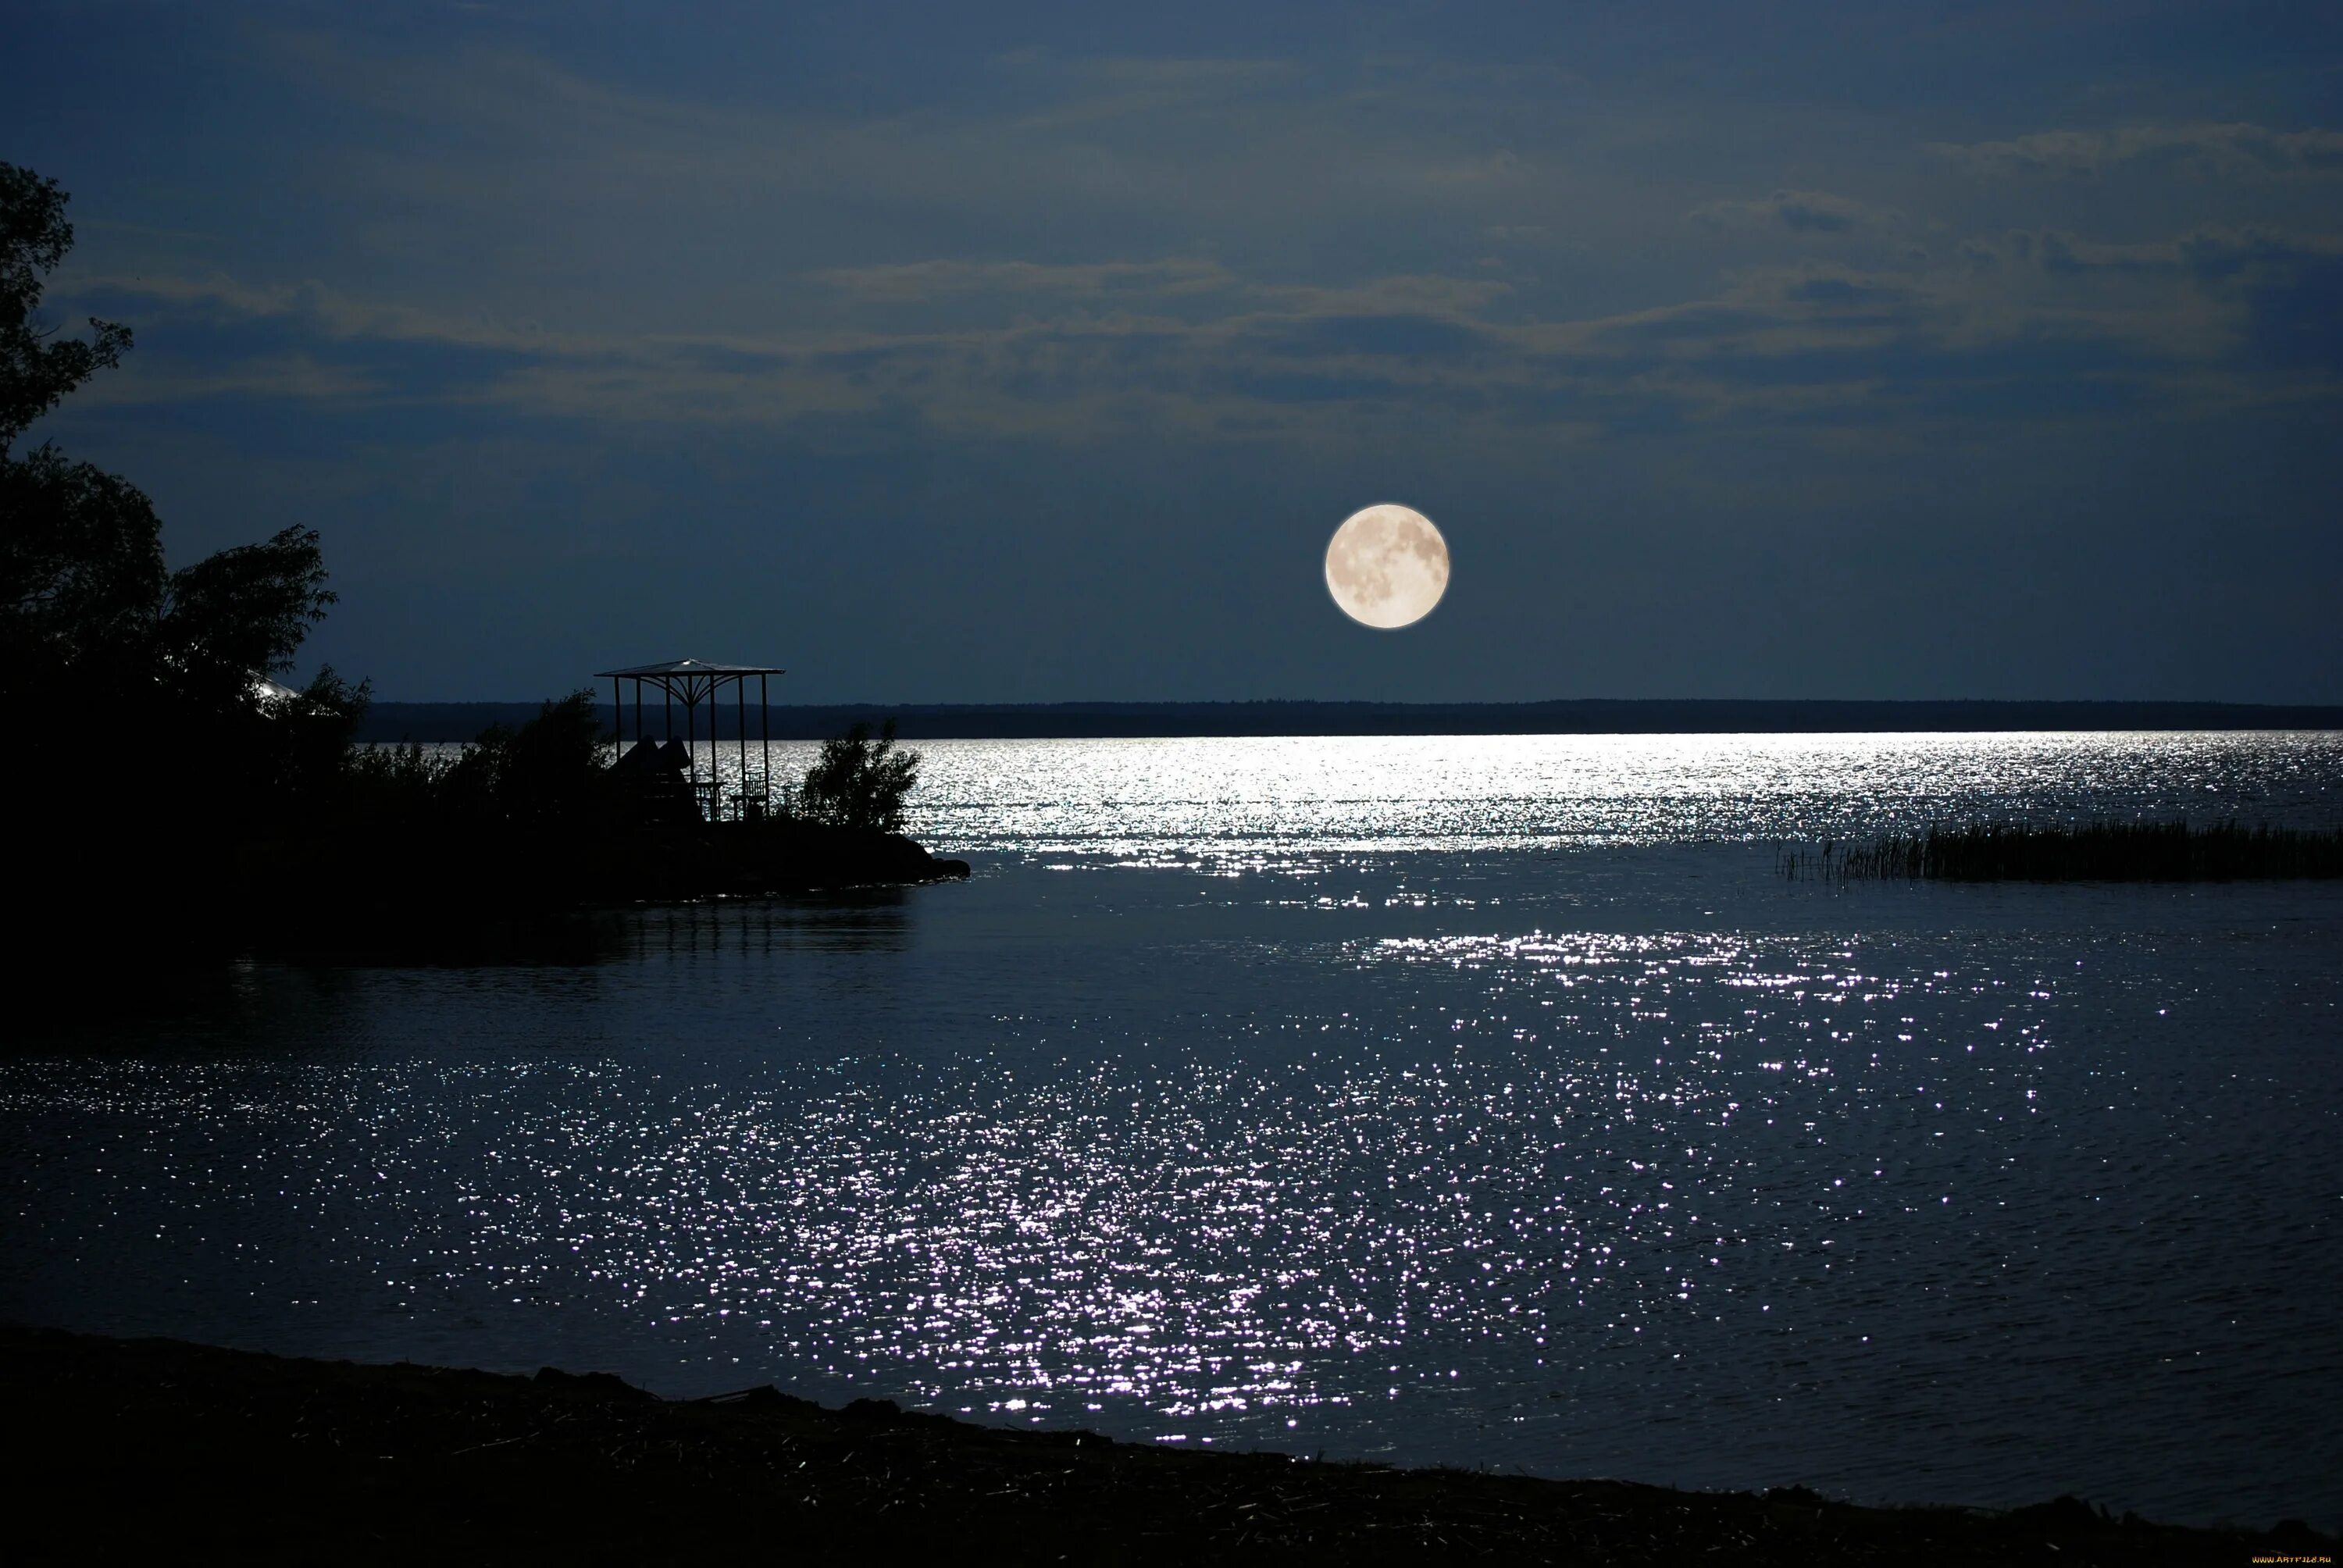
(1387, 565)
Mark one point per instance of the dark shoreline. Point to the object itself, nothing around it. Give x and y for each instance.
(159, 1449)
(465, 894)
(439, 721)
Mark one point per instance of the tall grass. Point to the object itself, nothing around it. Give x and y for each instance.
(2089, 852)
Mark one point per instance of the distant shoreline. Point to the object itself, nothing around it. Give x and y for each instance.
(437, 722)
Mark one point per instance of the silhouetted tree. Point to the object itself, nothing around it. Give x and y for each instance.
(92, 625)
(35, 373)
(80, 574)
(239, 614)
(81, 555)
(858, 782)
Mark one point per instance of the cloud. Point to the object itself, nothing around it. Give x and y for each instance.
(324, 311)
(1058, 247)
(942, 279)
(1112, 87)
(2030, 325)
(1419, 340)
(1797, 212)
(2213, 257)
(2229, 151)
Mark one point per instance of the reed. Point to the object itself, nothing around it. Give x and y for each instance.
(2084, 852)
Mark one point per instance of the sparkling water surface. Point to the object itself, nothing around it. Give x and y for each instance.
(1479, 1101)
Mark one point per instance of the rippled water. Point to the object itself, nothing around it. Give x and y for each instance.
(1487, 1102)
(1360, 793)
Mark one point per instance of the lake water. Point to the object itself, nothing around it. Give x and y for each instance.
(1487, 1100)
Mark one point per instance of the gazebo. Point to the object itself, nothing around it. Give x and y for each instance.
(692, 682)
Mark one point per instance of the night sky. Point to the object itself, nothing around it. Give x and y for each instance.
(1021, 353)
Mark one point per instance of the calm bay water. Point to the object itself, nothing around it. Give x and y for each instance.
(1480, 1100)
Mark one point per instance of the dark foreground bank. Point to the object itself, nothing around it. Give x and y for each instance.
(513, 894)
(163, 1451)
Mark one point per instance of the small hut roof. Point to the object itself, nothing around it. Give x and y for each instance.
(685, 667)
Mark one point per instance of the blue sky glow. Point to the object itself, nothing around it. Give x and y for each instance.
(1032, 353)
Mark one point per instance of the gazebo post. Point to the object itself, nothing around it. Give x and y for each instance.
(691, 682)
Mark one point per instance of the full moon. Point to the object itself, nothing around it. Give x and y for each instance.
(1387, 565)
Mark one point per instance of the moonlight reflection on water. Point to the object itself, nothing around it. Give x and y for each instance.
(1327, 1095)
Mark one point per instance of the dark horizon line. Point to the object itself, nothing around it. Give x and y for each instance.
(1261, 717)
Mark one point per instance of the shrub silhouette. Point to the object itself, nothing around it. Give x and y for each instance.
(548, 770)
(858, 782)
(548, 773)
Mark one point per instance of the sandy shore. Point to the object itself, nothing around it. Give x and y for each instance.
(159, 1450)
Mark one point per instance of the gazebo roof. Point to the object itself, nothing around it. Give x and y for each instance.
(685, 667)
